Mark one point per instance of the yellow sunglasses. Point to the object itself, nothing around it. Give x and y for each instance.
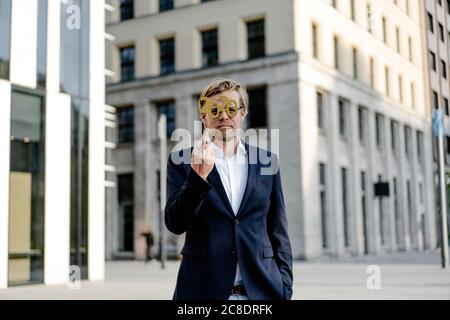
(214, 108)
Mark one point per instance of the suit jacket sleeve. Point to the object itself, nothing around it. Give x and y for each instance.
(278, 235)
(185, 193)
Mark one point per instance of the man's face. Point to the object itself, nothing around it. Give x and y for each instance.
(223, 122)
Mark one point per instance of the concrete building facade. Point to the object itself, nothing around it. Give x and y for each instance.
(436, 52)
(341, 80)
(51, 141)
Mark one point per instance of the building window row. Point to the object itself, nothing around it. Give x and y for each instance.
(210, 50)
(127, 7)
(343, 114)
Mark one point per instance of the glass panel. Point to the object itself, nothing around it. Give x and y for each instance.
(75, 81)
(168, 108)
(167, 56)
(42, 44)
(126, 215)
(26, 211)
(79, 185)
(5, 37)
(126, 9)
(75, 51)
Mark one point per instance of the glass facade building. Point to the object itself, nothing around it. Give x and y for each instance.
(51, 141)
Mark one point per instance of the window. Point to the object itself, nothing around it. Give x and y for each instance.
(355, 63)
(42, 44)
(433, 60)
(125, 118)
(430, 23)
(210, 56)
(323, 204)
(379, 120)
(5, 37)
(398, 221)
(362, 124)
(167, 108)
(364, 211)
(315, 48)
(407, 140)
(410, 50)
(257, 116)
(165, 5)
(383, 21)
(394, 125)
(419, 137)
(381, 218)
(447, 144)
(372, 73)
(352, 10)
(400, 88)
(256, 39)
(369, 18)
(74, 48)
(441, 32)
(336, 52)
(320, 111)
(446, 110)
(26, 189)
(126, 10)
(387, 83)
(127, 64)
(397, 39)
(435, 100)
(342, 117)
(345, 213)
(126, 215)
(443, 69)
(413, 95)
(167, 56)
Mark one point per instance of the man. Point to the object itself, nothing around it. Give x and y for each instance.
(237, 244)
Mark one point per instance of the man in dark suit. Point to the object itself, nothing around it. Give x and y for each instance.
(233, 212)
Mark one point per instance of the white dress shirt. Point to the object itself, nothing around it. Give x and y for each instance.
(233, 173)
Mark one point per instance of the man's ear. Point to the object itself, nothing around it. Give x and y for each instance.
(203, 118)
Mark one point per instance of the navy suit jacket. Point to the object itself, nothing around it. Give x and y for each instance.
(216, 239)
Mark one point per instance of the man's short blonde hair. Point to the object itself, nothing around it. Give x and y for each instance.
(223, 85)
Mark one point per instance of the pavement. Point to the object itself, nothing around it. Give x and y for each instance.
(400, 276)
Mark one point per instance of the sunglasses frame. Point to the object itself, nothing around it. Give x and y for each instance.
(225, 106)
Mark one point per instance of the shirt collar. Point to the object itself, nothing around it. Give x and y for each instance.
(240, 149)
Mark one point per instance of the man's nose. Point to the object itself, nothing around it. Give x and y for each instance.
(223, 115)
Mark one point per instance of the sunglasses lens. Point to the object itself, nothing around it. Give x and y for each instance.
(214, 111)
(232, 111)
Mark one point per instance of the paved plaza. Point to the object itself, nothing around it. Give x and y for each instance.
(401, 276)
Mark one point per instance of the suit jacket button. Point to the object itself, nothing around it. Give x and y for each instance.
(233, 252)
(237, 221)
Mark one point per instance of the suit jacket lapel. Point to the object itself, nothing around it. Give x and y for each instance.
(252, 169)
(251, 180)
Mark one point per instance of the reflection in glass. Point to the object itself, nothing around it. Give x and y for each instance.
(79, 185)
(26, 211)
(75, 81)
(5, 37)
(75, 51)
